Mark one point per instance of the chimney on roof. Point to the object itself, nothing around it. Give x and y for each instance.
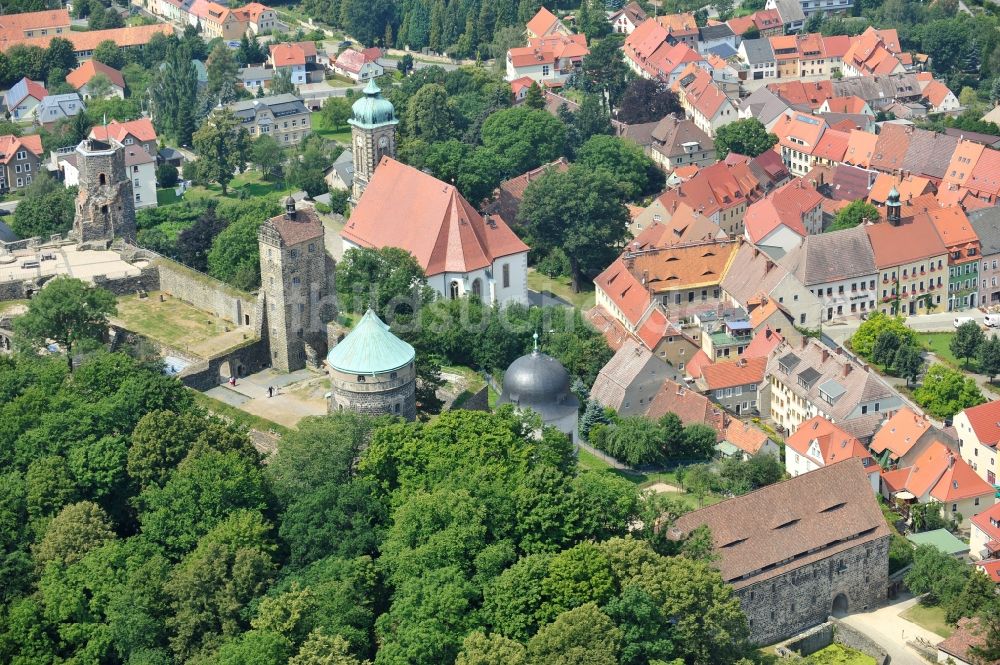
(804, 342)
(826, 355)
(847, 368)
(951, 459)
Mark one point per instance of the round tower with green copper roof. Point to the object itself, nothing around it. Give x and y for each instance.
(373, 134)
(373, 371)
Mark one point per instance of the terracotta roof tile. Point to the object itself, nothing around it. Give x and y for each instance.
(835, 445)
(133, 35)
(699, 361)
(985, 422)
(912, 241)
(731, 374)
(687, 404)
(10, 144)
(900, 433)
(142, 129)
(304, 226)
(541, 22)
(87, 70)
(612, 330)
(984, 521)
(746, 437)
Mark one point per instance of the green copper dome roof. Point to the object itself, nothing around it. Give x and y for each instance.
(370, 349)
(372, 109)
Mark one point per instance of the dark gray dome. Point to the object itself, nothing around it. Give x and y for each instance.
(537, 380)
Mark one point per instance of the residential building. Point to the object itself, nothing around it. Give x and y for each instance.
(791, 13)
(81, 77)
(817, 443)
(460, 251)
(713, 36)
(741, 439)
(22, 98)
(978, 430)
(630, 380)
(879, 90)
(54, 108)
(971, 177)
(18, 27)
(809, 379)
(984, 534)
(720, 192)
(838, 268)
(544, 23)
(785, 216)
(909, 150)
(765, 106)
(129, 38)
(359, 66)
(20, 161)
(626, 19)
(218, 21)
(679, 142)
(733, 385)
(511, 192)
(766, 21)
(940, 99)
(283, 117)
(519, 88)
(703, 100)
(653, 52)
(986, 224)
(293, 58)
(758, 56)
(681, 28)
(903, 437)
(874, 52)
(907, 187)
(940, 477)
(655, 226)
(551, 59)
(911, 262)
(755, 281)
(962, 243)
(802, 95)
(256, 77)
(958, 648)
(688, 405)
(340, 174)
(798, 135)
(133, 132)
(260, 19)
(725, 332)
(797, 551)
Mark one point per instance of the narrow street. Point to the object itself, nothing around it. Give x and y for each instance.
(891, 631)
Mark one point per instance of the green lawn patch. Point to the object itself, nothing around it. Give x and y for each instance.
(338, 134)
(937, 343)
(930, 617)
(560, 288)
(835, 654)
(166, 196)
(249, 184)
(591, 462)
(232, 414)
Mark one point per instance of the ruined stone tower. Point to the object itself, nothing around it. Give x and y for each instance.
(373, 134)
(296, 280)
(104, 206)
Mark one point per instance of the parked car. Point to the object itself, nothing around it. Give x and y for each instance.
(992, 320)
(959, 320)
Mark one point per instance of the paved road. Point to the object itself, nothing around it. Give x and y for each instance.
(937, 322)
(891, 631)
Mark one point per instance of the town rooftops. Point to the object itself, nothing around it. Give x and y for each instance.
(633, 11)
(683, 227)
(914, 240)
(940, 474)
(970, 633)
(289, 54)
(679, 24)
(831, 257)
(22, 90)
(10, 145)
(541, 22)
(985, 422)
(988, 522)
(751, 273)
(630, 363)
(800, 131)
(758, 51)
(688, 405)
(548, 50)
(717, 31)
(133, 35)
(785, 205)
(790, 524)
(833, 443)
(673, 135)
(790, 10)
(142, 130)
(16, 25)
(686, 266)
(746, 437)
(87, 70)
(900, 433)
(442, 230)
(986, 223)
(285, 104)
(739, 372)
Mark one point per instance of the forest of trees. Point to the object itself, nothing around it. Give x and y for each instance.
(135, 528)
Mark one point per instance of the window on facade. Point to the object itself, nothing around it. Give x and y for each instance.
(506, 275)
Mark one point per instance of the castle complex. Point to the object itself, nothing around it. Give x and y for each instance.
(296, 280)
(373, 135)
(104, 205)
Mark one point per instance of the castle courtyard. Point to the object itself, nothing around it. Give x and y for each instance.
(67, 260)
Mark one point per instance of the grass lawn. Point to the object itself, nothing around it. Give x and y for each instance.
(338, 134)
(590, 462)
(251, 183)
(338, 81)
(930, 617)
(166, 196)
(937, 342)
(232, 414)
(8, 305)
(177, 324)
(560, 287)
(836, 654)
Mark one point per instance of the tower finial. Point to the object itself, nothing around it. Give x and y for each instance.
(535, 337)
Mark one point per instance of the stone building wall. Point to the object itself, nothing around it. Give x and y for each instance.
(147, 280)
(207, 293)
(788, 604)
(377, 394)
(243, 360)
(105, 207)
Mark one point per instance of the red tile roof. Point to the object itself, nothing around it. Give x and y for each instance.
(142, 130)
(690, 406)
(984, 522)
(541, 22)
(133, 35)
(746, 437)
(800, 131)
(991, 568)
(614, 332)
(832, 145)
(549, 50)
(954, 228)
(699, 361)
(908, 243)
(304, 226)
(900, 433)
(985, 422)
(624, 290)
(407, 208)
(798, 93)
(762, 343)
(289, 54)
(10, 145)
(736, 373)
(835, 445)
(785, 205)
(82, 75)
(969, 633)
(944, 476)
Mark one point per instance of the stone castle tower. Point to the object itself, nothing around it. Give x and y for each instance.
(296, 282)
(373, 371)
(104, 207)
(373, 134)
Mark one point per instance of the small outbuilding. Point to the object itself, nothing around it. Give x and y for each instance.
(539, 382)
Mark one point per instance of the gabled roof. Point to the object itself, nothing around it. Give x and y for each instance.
(541, 22)
(800, 131)
(835, 445)
(17, 24)
(349, 60)
(988, 522)
(672, 133)
(746, 437)
(739, 372)
(632, 363)
(860, 148)
(800, 93)
(954, 227)
(289, 54)
(832, 145)
(87, 70)
(625, 290)
(786, 205)
(758, 51)
(679, 24)
(22, 90)
(790, 524)
(132, 35)
(907, 187)
(699, 361)
(717, 187)
(645, 39)
(441, 229)
(790, 10)
(936, 93)
(986, 223)
(751, 273)
(900, 433)
(142, 130)
(10, 145)
(914, 240)
(970, 633)
(684, 226)
(548, 50)
(985, 422)
(690, 406)
(944, 476)
(762, 343)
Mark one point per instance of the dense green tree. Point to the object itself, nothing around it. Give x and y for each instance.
(523, 138)
(107, 52)
(534, 99)
(174, 94)
(266, 155)
(944, 392)
(478, 649)
(166, 175)
(853, 214)
(307, 166)
(222, 84)
(235, 253)
(635, 172)
(580, 211)
(250, 51)
(222, 147)
(605, 71)
(646, 100)
(282, 84)
(744, 137)
(941, 576)
(966, 341)
(877, 323)
(580, 636)
(77, 529)
(427, 115)
(636, 440)
(46, 208)
(908, 362)
(67, 311)
(988, 357)
(389, 280)
(323, 649)
(60, 54)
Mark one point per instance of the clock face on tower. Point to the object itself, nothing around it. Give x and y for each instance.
(361, 141)
(383, 142)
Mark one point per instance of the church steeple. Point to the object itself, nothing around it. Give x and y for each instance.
(373, 134)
